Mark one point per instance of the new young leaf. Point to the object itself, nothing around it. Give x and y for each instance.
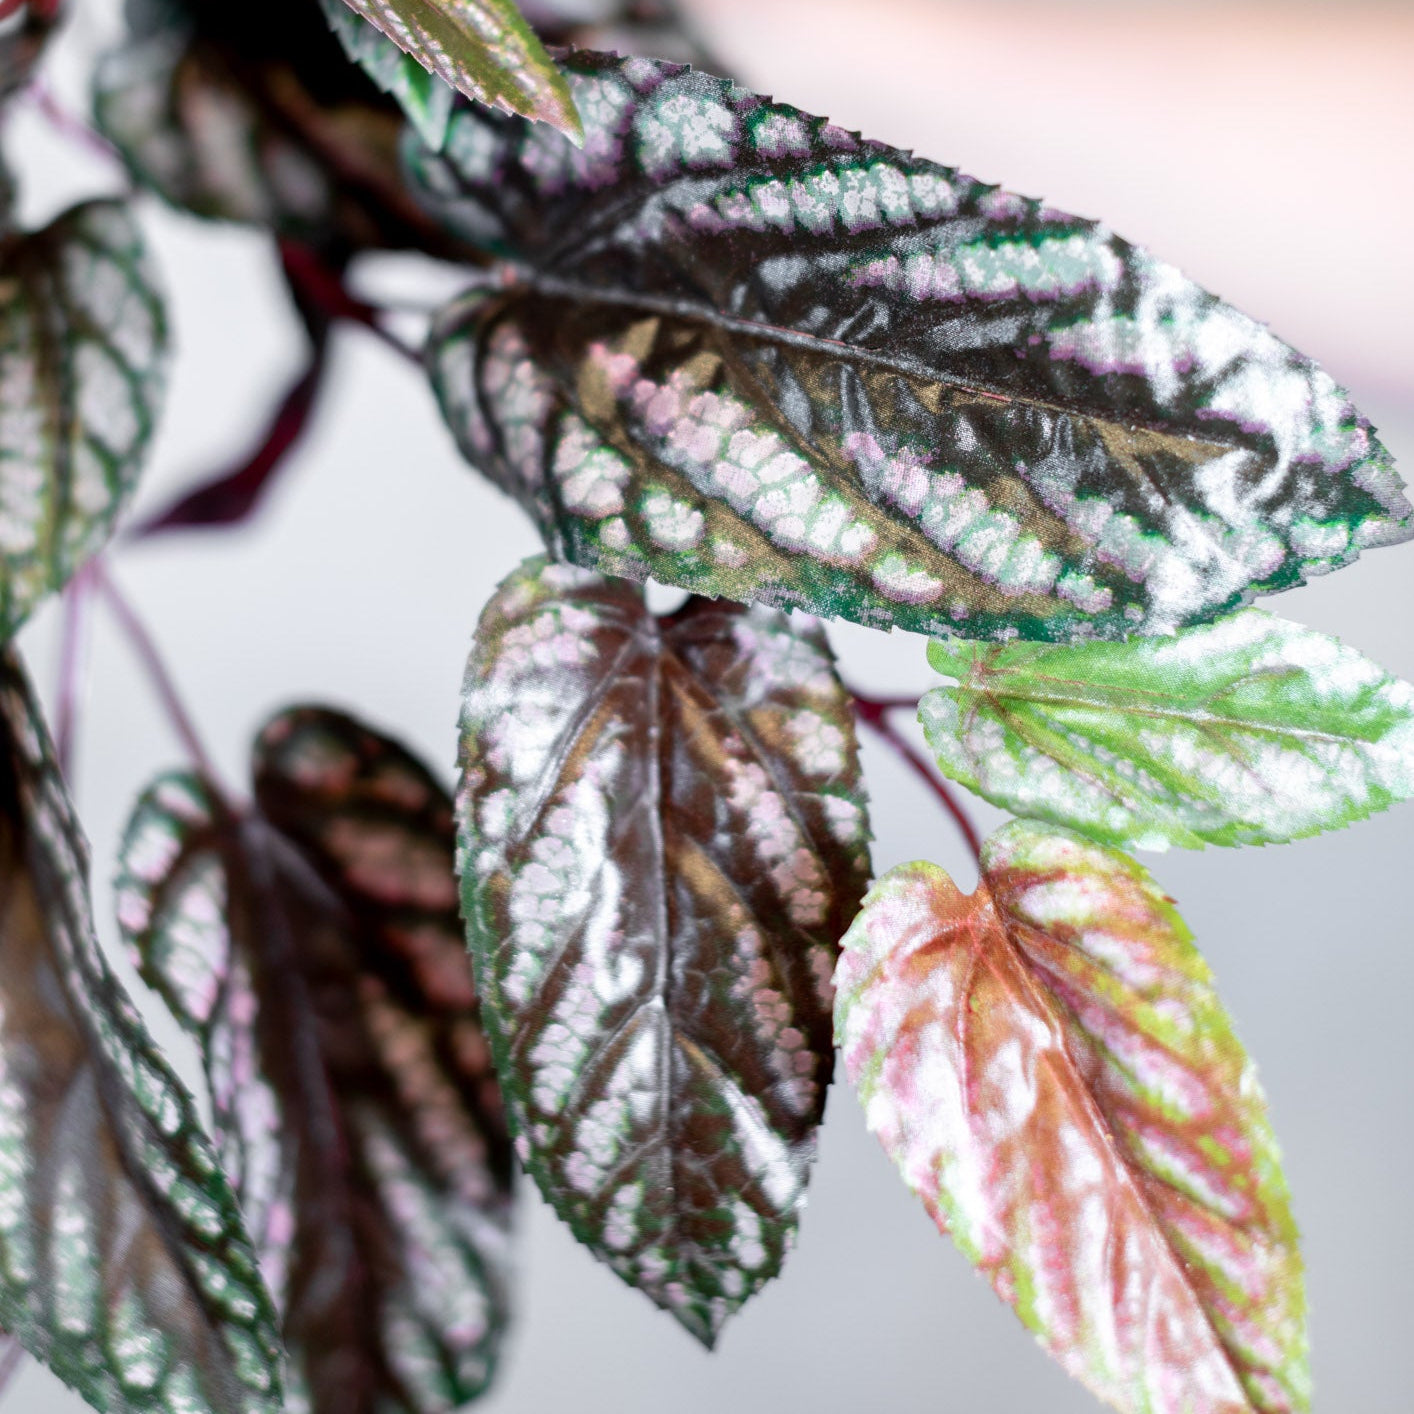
(483, 48)
(1048, 1063)
(663, 836)
(1252, 730)
(750, 354)
(83, 345)
(324, 976)
(124, 1264)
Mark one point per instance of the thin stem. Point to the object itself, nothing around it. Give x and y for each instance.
(72, 642)
(162, 683)
(67, 124)
(313, 279)
(874, 713)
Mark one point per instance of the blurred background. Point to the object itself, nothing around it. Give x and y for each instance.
(1264, 147)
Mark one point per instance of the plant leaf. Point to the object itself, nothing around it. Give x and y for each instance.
(655, 29)
(423, 97)
(1048, 1064)
(23, 42)
(252, 112)
(663, 835)
(83, 354)
(331, 996)
(1252, 730)
(755, 356)
(124, 1264)
(482, 48)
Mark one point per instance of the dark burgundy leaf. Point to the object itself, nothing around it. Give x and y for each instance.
(663, 838)
(753, 355)
(327, 986)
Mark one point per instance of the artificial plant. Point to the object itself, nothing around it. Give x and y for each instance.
(713, 341)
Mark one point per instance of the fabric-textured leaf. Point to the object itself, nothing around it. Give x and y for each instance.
(1048, 1063)
(328, 987)
(124, 1265)
(663, 836)
(484, 49)
(1252, 730)
(253, 113)
(753, 355)
(83, 353)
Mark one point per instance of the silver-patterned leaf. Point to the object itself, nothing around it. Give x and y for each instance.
(330, 994)
(83, 346)
(663, 838)
(124, 1264)
(747, 353)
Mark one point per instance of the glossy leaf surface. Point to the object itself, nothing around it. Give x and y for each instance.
(756, 356)
(253, 113)
(124, 1265)
(482, 48)
(330, 994)
(83, 345)
(663, 836)
(1252, 730)
(1048, 1064)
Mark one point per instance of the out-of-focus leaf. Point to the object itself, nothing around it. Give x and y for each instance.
(482, 48)
(329, 990)
(23, 42)
(252, 112)
(753, 355)
(663, 836)
(124, 1265)
(1252, 730)
(654, 29)
(83, 345)
(1048, 1063)
(424, 97)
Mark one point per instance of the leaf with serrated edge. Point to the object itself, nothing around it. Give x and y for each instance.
(328, 987)
(747, 353)
(1049, 1066)
(662, 837)
(424, 97)
(124, 1264)
(482, 48)
(1252, 730)
(83, 354)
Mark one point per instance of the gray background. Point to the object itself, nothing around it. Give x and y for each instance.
(1266, 148)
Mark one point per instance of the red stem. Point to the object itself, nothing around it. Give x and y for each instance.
(311, 278)
(874, 713)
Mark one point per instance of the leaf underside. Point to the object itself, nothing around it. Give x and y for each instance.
(482, 48)
(663, 836)
(83, 344)
(1252, 730)
(755, 356)
(1048, 1064)
(124, 1265)
(324, 976)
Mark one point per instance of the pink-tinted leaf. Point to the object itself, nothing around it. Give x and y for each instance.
(1048, 1063)
(323, 974)
(663, 838)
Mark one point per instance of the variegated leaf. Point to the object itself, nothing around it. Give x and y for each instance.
(83, 352)
(484, 49)
(750, 354)
(663, 835)
(1252, 730)
(330, 993)
(124, 1264)
(1048, 1063)
(252, 112)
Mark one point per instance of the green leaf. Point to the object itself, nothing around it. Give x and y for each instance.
(1252, 730)
(424, 97)
(1048, 1064)
(124, 1263)
(83, 354)
(742, 351)
(663, 836)
(484, 49)
(315, 953)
